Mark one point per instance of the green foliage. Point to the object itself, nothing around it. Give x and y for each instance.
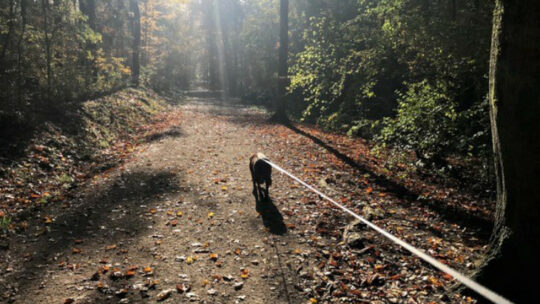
(5, 222)
(426, 121)
(51, 55)
(410, 73)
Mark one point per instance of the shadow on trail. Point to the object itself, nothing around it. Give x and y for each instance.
(174, 132)
(282, 270)
(451, 213)
(109, 215)
(232, 110)
(273, 221)
(271, 217)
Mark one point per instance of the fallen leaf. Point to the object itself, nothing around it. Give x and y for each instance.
(110, 247)
(244, 274)
(164, 294)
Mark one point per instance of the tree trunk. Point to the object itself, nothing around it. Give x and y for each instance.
(514, 94)
(453, 9)
(11, 25)
(20, 51)
(48, 49)
(88, 8)
(136, 48)
(283, 79)
(146, 30)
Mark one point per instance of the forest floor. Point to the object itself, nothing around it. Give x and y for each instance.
(177, 222)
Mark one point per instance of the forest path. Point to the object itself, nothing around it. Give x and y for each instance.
(180, 217)
(185, 197)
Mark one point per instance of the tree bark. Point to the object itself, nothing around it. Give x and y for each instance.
(514, 94)
(11, 25)
(20, 51)
(48, 48)
(453, 9)
(283, 80)
(88, 8)
(146, 30)
(136, 48)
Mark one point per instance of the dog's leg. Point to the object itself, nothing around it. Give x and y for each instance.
(260, 192)
(255, 188)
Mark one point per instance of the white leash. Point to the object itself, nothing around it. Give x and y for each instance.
(480, 289)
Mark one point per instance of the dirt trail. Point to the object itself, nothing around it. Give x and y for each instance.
(180, 217)
(184, 198)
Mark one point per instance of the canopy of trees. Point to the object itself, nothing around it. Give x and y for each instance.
(410, 73)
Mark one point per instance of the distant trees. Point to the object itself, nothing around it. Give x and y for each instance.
(514, 96)
(409, 73)
(55, 51)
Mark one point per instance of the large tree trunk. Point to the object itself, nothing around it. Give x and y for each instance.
(514, 94)
(88, 8)
(48, 48)
(11, 26)
(20, 52)
(283, 68)
(136, 48)
(146, 30)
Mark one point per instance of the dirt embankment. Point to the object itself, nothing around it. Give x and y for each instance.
(50, 153)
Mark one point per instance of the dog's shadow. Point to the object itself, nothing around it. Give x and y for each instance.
(271, 217)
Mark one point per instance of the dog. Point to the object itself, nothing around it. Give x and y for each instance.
(261, 172)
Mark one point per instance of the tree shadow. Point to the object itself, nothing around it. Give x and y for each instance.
(109, 214)
(454, 213)
(173, 132)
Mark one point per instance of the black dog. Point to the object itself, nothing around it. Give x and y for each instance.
(261, 172)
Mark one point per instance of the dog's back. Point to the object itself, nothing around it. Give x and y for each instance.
(261, 171)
